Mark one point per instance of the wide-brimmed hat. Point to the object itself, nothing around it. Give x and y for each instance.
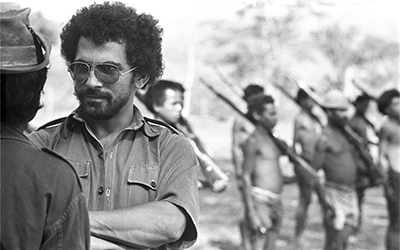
(335, 99)
(22, 49)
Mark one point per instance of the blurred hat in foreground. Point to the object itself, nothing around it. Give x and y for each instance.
(335, 99)
(22, 49)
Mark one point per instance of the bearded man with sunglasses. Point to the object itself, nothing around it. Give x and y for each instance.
(139, 176)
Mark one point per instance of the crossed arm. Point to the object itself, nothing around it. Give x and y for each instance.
(144, 226)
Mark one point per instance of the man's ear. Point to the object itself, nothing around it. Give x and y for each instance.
(141, 80)
(157, 108)
(256, 116)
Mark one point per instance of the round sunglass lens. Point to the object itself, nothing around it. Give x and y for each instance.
(79, 71)
(107, 74)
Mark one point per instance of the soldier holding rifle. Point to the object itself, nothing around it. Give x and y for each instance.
(166, 100)
(262, 176)
(359, 124)
(241, 130)
(307, 128)
(389, 152)
(306, 170)
(336, 156)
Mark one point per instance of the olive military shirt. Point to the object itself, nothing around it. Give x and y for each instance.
(42, 205)
(147, 162)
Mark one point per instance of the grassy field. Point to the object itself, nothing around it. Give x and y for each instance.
(220, 213)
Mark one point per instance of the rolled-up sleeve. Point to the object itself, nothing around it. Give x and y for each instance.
(178, 185)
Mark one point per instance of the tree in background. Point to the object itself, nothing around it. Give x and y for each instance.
(249, 48)
(376, 58)
(264, 38)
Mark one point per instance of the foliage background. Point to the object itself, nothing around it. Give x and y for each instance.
(325, 43)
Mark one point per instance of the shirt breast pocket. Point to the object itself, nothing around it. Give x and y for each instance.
(82, 168)
(142, 184)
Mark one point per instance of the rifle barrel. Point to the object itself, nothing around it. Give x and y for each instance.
(238, 91)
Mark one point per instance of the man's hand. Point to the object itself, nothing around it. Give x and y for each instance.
(217, 179)
(390, 192)
(329, 214)
(256, 225)
(221, 184)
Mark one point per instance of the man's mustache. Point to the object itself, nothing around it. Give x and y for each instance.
(93, 93)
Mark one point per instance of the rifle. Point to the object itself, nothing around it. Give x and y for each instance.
(212, 172)
(309, 172)
(363, 90)
(288, 95)
(374, 174)
(237, 90)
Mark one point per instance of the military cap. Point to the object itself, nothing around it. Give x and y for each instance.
(335, 99)
(22, 49)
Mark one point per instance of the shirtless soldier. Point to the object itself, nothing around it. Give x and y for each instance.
(389, 153)
(262, 177)
(336, 157)
(307, 128)
(360, 124)
(241, 130)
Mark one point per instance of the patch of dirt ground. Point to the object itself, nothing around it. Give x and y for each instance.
(220, 215)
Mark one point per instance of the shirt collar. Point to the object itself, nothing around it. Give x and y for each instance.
(11, 132)
(138, 123)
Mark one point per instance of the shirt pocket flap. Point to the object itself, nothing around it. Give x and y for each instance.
(145, 176)
(82, 168)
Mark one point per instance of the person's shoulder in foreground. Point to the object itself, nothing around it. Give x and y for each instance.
(41, 197)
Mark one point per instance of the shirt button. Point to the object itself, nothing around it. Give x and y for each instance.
(153, 184)
(101, 190)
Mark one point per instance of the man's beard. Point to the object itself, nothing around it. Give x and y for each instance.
(104, 110)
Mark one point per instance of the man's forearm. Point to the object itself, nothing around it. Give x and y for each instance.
(147, 225)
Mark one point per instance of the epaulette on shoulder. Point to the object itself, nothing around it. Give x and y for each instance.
(52, 123)
(49, 151)
(162, 124)
(53, 153)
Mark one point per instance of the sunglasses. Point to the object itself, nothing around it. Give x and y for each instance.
(106, 73)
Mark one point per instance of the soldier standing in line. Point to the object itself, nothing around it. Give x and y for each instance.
(241, 130)
(389, 155)
(336, 156)
(262, 177)
(307, 128)
(360, 125)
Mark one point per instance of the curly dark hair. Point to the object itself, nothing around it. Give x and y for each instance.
(156, 94)
(252, 89)
(256, 103)
(386, 98)
(20, 96)
(116, 22)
